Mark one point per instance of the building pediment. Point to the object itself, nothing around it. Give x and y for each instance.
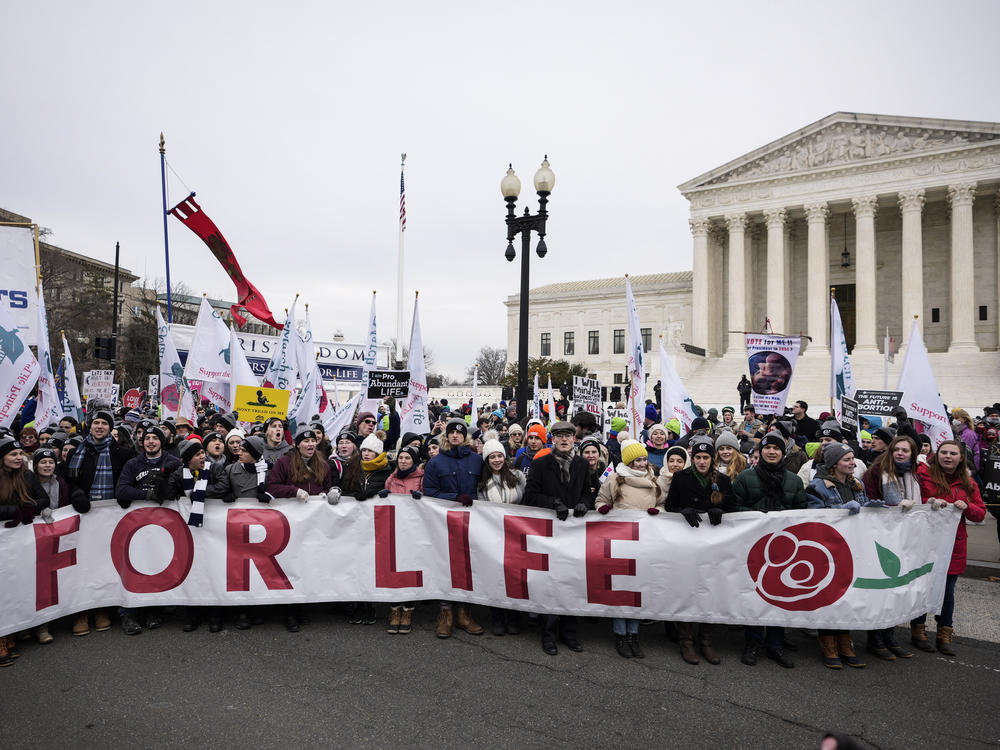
(846, 139)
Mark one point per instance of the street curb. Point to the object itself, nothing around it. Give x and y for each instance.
(981, 569)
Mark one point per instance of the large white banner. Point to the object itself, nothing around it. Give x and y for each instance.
(804, 568)
(19, 369)
(17, 289)
(772, 360)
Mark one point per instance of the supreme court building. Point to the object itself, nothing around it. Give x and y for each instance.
(896, 216)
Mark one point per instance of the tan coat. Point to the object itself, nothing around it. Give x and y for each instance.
(637, 493)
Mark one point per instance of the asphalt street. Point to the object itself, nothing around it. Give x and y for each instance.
(356, 686)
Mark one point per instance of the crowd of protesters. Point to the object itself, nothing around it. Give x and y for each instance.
(720, 465)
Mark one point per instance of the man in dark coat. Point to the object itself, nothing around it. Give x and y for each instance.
(558, 480)
(144, 477)
(98, 452)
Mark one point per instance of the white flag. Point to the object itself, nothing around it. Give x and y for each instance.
(841, 374)
(552, 404)
(209, 357)
(175, 395)
(371, 356)
(635, 367)
(536, 399)
(241, 373)
(336, 394)
(921, 398)
(283, 367)
(18, 369)
(475, 393)
(49, 408)
(305, 349)
(72, 403)
(343, 417)
(676, 400)
(413, 415)
(312, 401)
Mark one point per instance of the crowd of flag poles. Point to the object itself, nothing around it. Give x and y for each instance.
(217, 361)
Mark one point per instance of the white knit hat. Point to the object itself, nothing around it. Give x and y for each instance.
(493, 446)
(372, 443)
(237, 432)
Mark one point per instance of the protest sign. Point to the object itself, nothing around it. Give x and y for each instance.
(877, 403)
(99, 384)
(772, 360)
(154, 386)
(849, 412)
(133, 397)
(260, 404)
(587, 396)
(388, 383)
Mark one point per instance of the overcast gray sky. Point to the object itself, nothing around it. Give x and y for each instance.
(288, 119)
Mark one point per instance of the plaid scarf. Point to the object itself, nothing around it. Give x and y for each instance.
(194, 488)
(103, 486)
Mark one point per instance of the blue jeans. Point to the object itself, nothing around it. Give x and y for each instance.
(947, 606)
(621, 625)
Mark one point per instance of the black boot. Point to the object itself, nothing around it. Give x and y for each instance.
(876, 645)
(633, 643)
(242, 622)
(622, 646)
(778, 656)
(889, 637)
(749, 653)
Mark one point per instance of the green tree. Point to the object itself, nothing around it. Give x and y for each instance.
(562, 371)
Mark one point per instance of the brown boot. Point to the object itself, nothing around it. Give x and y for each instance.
(831, 659)
(395, 613)
(445, 621)
(688, 653)
(81, 625)
(6, 659)
(101, 621)
(708, 651)
(42, 634)
(405, 620)
(918, 637)
(846, 650)
(944, 634)
(464, 621)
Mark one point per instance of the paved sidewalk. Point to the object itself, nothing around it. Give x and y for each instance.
(984, 549)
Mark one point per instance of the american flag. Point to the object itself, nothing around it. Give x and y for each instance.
(402, 203)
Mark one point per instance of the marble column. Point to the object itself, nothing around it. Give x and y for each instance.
(699, 283)
(996, 306)
(818, 274)
(963, 298)
(737, 224)
(911, 205)
(865, 338)
(775, 219)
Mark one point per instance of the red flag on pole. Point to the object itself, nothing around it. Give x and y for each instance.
(191, 215)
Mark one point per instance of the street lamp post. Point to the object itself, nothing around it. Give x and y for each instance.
(510, 187)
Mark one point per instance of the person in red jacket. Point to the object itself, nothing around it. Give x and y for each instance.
(945, 483)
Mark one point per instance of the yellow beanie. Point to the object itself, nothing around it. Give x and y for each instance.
(631, 450)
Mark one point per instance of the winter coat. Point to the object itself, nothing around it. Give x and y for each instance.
(971, 440)
(498, 492)
(808, 471)
(656, 455)
(412, 482)
(795, 458)
(142, 474)
(280, 484)
(614, 450)
(175, 482)
(545, 488)
(823, 492)
(874, 478)
(62, 492)
(976, 512)
(271, 455)
(37, 492)
(373, 482)
(452, 473)
(238, 481)
(637, 493)
(749, 492)
(81, 478)
(686, 491)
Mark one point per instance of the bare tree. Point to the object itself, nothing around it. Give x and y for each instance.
(492, 363)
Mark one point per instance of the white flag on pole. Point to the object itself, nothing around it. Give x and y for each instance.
(413, 415)
(536, 399)
(175, 396)
(49, 408)
(475, 393)
(241, 373)
(921, 398)
(312, 401)
(305, 349)
(371, 356)
(72, 403)
(343, 417)
(18, 369)
(841, 374)
(209, 356)
(636, 366)
(282, 368)
(676, 400)
(552, 404)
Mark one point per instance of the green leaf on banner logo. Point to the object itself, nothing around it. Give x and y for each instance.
(888, 560)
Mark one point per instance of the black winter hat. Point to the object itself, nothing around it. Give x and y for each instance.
(774, 438)
(456, 424)
(347, 434)
(254, 446)
(830, 429)
(229, 421)
(8, 444)
(169, 425)
(885, 434)
(409, 437)
(154, 430)
(699, 423)
(305, 432)
(702, 444)
(104, 414)
(189, 449)
(676, 450)
(44, 453)
(214, 435)
(411, 451)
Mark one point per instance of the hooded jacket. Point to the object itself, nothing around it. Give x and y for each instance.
(452, 473)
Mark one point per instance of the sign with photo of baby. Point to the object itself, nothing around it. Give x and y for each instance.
(772, 360)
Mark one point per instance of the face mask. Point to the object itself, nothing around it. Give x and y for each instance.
(957, 424)
(993, 420)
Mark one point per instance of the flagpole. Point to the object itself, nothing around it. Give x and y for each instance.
(399, 261)
(166, 242)
(885, 360)
(834, 349)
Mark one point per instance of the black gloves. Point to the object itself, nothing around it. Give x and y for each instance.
(652, 511)
(715, 515)
(81, 503)
(579, 510)
(562, 512)
(691, 516)
(415, 494)
(465, 499)
(13, 522)
(263, 497)
(383, 493)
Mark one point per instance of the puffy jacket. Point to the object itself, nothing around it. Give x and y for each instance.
(822, 492)
(142, 474)
(414, 481)
(637, 493)
(373, 482)
(545, 488)
(452, 473)
(976, 512)
(687, 492)
(749, 494)
(280, 484)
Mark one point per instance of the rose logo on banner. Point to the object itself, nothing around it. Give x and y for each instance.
(805, 567)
